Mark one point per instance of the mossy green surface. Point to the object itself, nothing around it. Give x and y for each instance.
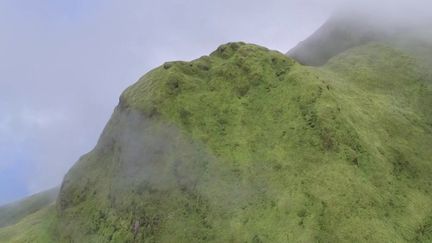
(246, 145)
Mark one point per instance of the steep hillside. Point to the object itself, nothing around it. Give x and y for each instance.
(248, 145)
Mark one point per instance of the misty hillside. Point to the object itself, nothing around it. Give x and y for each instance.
(347, 30)
(14, 212)
(29, 220)
(339, 33)
(251, 145)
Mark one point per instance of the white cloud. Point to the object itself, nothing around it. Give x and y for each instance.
(40, 119)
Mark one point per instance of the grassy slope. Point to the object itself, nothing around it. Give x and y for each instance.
(29, 220)
(337, 153)
(34, 228)
(389, 95)
(14, 212)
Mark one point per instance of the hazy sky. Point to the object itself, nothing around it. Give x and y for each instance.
(63, 65)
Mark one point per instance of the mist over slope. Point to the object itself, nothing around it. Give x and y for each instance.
(350, 29)
(338, 34)
(249, 145)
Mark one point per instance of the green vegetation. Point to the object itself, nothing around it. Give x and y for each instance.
(14, 212)
(251, 146)
(247, 145)
(37, 227)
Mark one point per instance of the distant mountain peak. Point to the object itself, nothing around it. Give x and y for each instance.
(340, 32)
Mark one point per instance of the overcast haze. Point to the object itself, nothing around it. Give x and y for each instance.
(63, 65)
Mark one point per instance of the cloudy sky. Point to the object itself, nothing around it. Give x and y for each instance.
(63, 65)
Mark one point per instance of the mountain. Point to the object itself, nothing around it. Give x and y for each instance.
(249, 145)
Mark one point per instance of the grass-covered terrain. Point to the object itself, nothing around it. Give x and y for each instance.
(248, 145)
(37, 227)
(29, 220)
(14, 212)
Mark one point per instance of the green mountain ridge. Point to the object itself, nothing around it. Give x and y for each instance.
(249, 145)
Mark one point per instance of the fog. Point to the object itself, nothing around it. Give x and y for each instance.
(65, 63)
